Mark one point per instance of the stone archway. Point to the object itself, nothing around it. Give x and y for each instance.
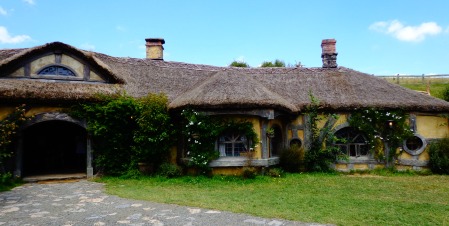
(53, 143)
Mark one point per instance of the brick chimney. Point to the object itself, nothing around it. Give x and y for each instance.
(155, 50)
(329, 54)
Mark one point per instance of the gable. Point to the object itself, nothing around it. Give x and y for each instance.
(57, 66)
(56, 61)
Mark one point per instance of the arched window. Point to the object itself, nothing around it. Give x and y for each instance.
(56, 70)
(232, 144)
(352, 142)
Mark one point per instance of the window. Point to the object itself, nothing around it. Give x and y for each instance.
(232, 144)
(296, 141)
(415, 145)
(56, 70)
(352, 142)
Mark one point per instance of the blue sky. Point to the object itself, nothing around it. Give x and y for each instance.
(379, 37)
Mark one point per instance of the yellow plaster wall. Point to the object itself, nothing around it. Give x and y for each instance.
(432, 126)
(227, 171)
(18, 73)
(300, 133)
(37, 110)
(41, 62)
(5, 111)
(342, 119)
(341, 167)
(360, 167)
(73, 64)
(95, 77)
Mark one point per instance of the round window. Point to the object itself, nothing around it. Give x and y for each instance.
(415, 145)
(295, 141)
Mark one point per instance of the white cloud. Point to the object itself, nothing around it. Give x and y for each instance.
(3, 12)
(30, 2)
(6, 38)
(406, 33)
(87, 46)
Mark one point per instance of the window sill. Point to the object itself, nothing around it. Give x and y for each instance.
(242, 161)
(358, 160)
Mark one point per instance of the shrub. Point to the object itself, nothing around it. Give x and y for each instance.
(249, 172)
(292, 158)
(275, 172)
(169, 170)
(8, 181)
(236, 63)
(439, 156)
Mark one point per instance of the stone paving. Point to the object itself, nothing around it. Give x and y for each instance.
(84, 203)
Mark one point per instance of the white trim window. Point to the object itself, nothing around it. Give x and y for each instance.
(352, 143)
(232, 144)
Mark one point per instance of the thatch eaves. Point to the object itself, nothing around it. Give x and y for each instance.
(15, 90)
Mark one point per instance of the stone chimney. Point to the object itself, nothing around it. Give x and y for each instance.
(329, 54)
(155, 50)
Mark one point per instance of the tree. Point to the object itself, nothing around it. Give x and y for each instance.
(236, 63)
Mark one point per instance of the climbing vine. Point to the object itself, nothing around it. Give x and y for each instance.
(385, 129)
(321, 152)
(8, 129)
(201, 132)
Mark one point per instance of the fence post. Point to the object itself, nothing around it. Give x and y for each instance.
(397, 78)
(423, 79)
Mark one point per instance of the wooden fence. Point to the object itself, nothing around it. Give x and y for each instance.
(416, 79)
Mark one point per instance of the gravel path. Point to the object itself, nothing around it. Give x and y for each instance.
(85, 203)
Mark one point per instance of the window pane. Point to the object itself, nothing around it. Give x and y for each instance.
(363, 149)
(228, 149)
(352, 150)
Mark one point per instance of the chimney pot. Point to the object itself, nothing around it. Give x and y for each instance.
(329, 53)
(155, 48)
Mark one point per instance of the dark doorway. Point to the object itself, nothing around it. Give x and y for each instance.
(276, 141)
(54, 147)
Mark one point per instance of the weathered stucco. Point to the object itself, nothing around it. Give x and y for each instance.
(432, 126)
(77, 66)
(38, 64)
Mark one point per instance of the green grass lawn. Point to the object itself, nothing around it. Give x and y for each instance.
(322, 198)
(436, 90)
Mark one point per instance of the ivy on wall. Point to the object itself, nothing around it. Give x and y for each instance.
(8, 129)
(201, 132)
(386, 130)
(126, 131)
(321, 152)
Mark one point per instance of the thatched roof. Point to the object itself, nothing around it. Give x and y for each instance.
(210, 87)
(14, 90)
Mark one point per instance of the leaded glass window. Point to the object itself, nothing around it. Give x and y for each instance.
(56, 70)
(352, 142)
(232, 144)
